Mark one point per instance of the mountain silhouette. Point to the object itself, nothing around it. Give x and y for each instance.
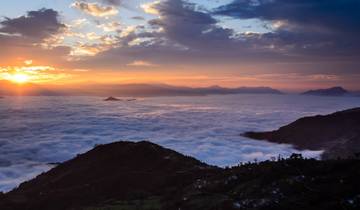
(133, 176)
(338, 133)
(334, 91)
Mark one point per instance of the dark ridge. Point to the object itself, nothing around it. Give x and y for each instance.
(119, 171)
(338, 133)
(334, 91)
(145, 176)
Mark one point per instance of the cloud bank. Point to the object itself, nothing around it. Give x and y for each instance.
(36, 131)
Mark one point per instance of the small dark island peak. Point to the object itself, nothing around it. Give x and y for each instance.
(111, 98)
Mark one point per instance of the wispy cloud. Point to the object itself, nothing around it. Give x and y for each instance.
(95, 9)
(141, 63)
(151, 7)
(110, 26)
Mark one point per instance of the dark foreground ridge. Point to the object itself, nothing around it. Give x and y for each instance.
(118, 171)
(145, 176)
(338, 134)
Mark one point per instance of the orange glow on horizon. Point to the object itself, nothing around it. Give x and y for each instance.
(29, 73)
(45, 74)
(19, 78)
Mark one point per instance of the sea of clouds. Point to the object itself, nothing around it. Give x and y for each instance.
(37, 131)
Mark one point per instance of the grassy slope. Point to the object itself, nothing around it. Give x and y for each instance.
(286, 184)
(145, 176)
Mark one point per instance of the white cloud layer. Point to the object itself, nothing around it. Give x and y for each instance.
(36, 131)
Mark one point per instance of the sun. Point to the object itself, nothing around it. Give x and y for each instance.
(19, 78)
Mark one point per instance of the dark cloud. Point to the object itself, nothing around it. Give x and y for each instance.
(322, 28)
(183, 23)
(114, 2)
(21, 37)
(340, 15)
(36, 24)
(138, 18)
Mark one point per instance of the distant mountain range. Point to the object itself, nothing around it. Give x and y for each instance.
(135, 90)
(168, 90)
(338, 134)
(147, 90)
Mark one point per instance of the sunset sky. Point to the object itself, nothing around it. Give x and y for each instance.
(285, 44)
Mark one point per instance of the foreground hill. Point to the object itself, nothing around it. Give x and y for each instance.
(118, 171)
(133, 176)
(338, 133)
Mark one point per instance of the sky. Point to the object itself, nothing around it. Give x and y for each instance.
(285, 44)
